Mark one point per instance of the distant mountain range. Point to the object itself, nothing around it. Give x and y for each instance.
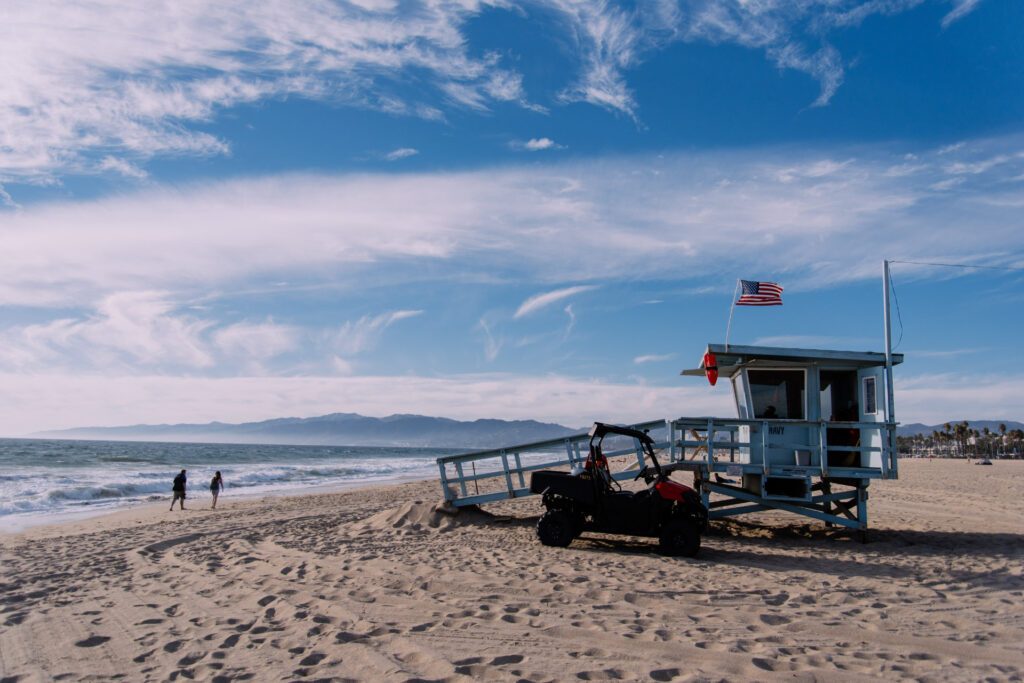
(351, 429)
(993, 425)
(337, 429)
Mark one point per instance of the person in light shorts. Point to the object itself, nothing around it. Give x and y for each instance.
(216, 486)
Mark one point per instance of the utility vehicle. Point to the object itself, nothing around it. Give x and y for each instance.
(591, 500)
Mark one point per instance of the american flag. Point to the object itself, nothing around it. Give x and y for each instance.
(760, 294)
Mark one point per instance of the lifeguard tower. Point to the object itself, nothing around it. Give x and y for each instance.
(812, 429)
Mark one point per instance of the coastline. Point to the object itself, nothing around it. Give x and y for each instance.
(373, 584)
(14, 525)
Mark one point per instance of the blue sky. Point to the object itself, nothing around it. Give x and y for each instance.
(478, 208)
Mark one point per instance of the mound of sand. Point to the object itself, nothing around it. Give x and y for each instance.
(419, 516)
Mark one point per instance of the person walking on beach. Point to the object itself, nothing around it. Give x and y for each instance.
(179, 490)
(216, 486)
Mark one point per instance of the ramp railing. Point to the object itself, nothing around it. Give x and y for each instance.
(496, 474)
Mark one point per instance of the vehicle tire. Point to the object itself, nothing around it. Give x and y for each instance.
(556, 528)
(680, 538)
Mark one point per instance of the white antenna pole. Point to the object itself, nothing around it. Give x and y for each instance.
(731, 309)
(890, 399)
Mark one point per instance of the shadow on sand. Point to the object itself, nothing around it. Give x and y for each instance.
(890, 553)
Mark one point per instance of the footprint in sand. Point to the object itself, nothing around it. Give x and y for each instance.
(604, 675)
(230, 641)
(774, 619)
(420, 628)
(173, 646)
(190, 659)
(92, 641)
(312, 659)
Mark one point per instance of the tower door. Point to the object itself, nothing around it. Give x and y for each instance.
(871, 388)
(839, 403)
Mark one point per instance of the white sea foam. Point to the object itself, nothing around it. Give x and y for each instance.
(46, 478)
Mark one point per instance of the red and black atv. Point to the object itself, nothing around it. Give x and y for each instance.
(593, 501)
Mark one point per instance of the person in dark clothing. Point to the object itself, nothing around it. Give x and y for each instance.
(216, 486)
(179, 490)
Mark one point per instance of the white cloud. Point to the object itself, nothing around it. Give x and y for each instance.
(934, 399)
(334, 231)
(136, 331)
(653, 358)
(976, 167)
(947, 184)
(104, 85)
(341, 366)
(492, 345)
(815, 169)
(53, 401)
(610, 41)
(85, 78)
(401, 153)
(259, 341)
(359, 336)
(121, 166)
(961, 8)
(536, 144)
(539, 301)
(6, 199)
(138, 328)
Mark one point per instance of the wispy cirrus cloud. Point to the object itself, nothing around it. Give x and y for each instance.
(961, 8)
(128, 80)
(653, 358)
(258, 341)
(686, 213)
(141, 331)
(103, 86)
(535, 144)
(492, 344)
(539, 301)
(401, 153)
(357, 336)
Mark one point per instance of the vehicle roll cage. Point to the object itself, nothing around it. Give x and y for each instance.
(602, 429)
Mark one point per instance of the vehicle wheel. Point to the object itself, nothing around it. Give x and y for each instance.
(556, 528)
(680, 537)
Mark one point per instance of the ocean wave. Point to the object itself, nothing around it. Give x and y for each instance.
(110, 481)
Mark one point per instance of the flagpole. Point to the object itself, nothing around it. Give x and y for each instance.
(890, 399)
(731, 309)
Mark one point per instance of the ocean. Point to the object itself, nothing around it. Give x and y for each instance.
(47, 480)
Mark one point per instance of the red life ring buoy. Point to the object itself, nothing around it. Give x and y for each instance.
(711, 367)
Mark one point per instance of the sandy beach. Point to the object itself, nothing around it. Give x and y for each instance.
(374, 584)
